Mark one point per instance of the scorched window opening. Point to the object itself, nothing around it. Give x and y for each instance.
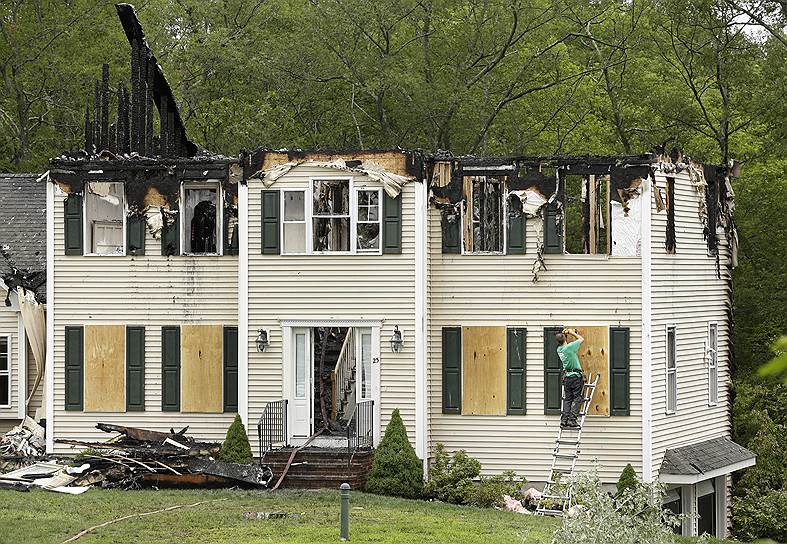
(105, 218)
(201, 220)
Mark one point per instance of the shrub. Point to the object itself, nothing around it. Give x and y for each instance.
(236, 448)
(451, 478)
(489, 491)
(628, 479)
(396, 469)
(759, 515)
(604, 519)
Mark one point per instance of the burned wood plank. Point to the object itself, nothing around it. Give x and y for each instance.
(144, 435)
(256, 475)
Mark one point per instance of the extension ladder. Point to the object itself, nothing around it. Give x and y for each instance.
(556, 497)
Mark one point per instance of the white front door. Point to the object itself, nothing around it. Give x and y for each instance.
(301, 393)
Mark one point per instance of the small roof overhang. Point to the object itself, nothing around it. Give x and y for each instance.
(704, 460)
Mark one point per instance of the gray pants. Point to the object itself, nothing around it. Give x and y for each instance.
(573, 387)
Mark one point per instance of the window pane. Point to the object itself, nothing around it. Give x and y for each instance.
(104, 213)
(331, 197)
(331, 234)
(294, 205)
(294, 237)
(300, 366)
(374, 213)
(4, 354)
(200, 220)
(5, 390)
(368, 236)
(366, 365)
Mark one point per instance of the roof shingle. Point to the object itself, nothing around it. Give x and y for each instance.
(704, 457)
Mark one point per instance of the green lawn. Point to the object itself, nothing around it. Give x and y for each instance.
(42, 516)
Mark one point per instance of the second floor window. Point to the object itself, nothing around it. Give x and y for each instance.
(201, 219)
(713, 363)
(330, 215)
(672, 371)
(484, 215)
(105, 213)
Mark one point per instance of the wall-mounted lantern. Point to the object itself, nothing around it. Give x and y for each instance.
(262, 340)
(396, 340)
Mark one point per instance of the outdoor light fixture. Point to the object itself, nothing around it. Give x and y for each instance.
(262, 340)
(396, 340)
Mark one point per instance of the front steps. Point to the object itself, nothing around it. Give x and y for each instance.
(315, 468)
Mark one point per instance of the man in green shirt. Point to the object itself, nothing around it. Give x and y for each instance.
(573, 379)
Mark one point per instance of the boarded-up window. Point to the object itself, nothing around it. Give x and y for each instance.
(105, 376)
(619, 370)
(201, 368)
(5, 371)
(594, 358)
(230, 369)
(74, 367)
(516, 356)
(452, 370)
(553, 387)
(484, 370)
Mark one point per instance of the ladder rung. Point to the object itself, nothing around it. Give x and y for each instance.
(565, 470)
(560, 497)
(568, 442)
(566, 455)
(550, 512)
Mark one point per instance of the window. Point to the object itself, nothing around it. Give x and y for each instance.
(301, 345)
(713, 363)
(201, 219)
(331, 215)
(367, 226)
(672, 371)
(5, 371)
(365, 360)
(105, 214)
(483, 216)
(294, 221)
(587, 209)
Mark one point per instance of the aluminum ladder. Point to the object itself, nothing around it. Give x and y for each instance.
(556, 498)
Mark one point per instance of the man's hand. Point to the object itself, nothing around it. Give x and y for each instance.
(572, 332)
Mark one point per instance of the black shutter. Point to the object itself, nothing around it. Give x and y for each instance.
(517, 223)
(392, 224)
(270, 223)
(619, 370)
(230, 369)
(135, 235)
(553, 233)
(452, 370)
(553, 387)
(450, 224)
(135, 369)
(516, 357)
(73, 224)
(170, 236)
(170, 369)
(74, 367)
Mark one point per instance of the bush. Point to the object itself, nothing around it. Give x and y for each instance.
(451, 478)
(628, 479)
(604, 519)
(396, 469)
(236, 448)
(760, 516)
(489, 491)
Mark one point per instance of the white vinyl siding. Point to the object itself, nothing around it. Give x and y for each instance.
(151, 291)
(498, 290)
(332, 286)
(686, 293)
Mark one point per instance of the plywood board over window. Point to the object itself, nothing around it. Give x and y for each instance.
(201, 368)
(594, 358)
(105, 368)
(484, 371)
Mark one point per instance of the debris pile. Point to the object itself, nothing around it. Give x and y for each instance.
(24, 440)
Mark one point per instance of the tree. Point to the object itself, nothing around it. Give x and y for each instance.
(628, 479)
(236, 447)
(396, 469)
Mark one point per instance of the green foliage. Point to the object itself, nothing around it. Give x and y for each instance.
(490, 490)
(602, 518)
(396, 469)
(451, 477)
(236, 448)
(778, 365)
(628, 479)
(760, 516)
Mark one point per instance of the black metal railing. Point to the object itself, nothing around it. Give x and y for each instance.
(360, 428)
(272, 427)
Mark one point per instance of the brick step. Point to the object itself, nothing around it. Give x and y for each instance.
(315, 468)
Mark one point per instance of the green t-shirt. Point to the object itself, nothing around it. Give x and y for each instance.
(568, 356)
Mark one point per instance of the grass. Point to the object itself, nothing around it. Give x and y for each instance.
(46, 517)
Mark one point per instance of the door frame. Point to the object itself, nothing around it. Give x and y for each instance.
(288, 362)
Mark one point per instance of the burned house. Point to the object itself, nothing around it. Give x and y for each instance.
(314, 292)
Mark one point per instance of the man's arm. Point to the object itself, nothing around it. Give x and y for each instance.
(575, 334)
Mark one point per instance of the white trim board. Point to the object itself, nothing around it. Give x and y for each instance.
(331, 322)
(646, 331)
(243, 303)
(421, 333)
(49, 378)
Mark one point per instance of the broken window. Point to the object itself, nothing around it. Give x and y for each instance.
(331, 215)
(672, 371)
(483, 219)
(670, 242)
(5, 371)
(105, 213)
(368, 221)
(586, 214)
(294, 222)
(201, 224)
(713, 363)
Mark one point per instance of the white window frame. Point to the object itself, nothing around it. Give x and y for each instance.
(674, 371)
(306, 221)
(7, 372)
(354, 220)
(219, 216)
(311, 216)
(468, 202)
(88, 251)
(712, 357)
